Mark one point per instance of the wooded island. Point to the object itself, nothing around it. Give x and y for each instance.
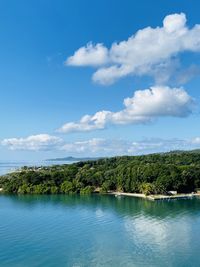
(147, 174)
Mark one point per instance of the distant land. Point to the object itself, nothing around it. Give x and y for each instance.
(70, 158)
(73, 159)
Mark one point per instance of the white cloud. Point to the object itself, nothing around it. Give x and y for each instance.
(90, 55)
(33, 142)
(174, 23)
(144, 106)
(100, 146)
(106, 147)
(87, 123)
(96, 146)
(147, 49)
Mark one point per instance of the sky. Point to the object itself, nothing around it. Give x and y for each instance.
(98, 78)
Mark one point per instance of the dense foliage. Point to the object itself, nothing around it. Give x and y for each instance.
(149, 174)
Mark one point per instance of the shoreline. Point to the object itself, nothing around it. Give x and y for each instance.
(155, 197)
(143, 196)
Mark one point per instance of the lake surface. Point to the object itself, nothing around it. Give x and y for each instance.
(98, 231)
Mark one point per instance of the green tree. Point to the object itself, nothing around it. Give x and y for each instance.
(66, 187)
(147, 189)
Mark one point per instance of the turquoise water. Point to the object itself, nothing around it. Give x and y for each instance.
(98, 231)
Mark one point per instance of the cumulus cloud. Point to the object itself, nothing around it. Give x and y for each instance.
(33, 142)
(87, 123)
(148, 48)
(143, 107)
(89, 55)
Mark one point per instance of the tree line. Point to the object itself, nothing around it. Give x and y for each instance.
(148, 174)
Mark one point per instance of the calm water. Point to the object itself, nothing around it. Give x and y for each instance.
(98, 231)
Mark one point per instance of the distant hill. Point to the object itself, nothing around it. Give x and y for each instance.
(72, 159)
(174, 152)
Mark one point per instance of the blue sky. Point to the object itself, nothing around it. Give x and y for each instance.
(46, 85)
